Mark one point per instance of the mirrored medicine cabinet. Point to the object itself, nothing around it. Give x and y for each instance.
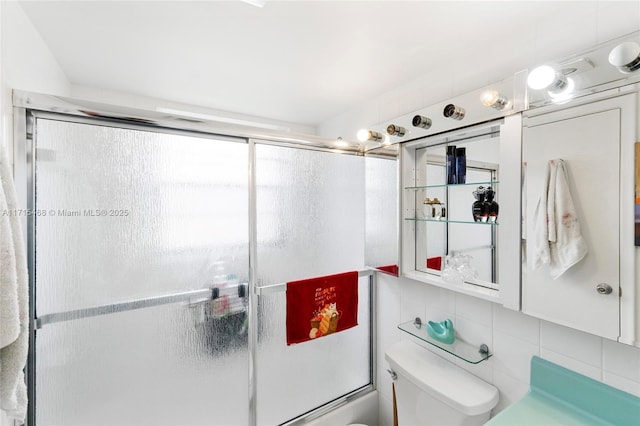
(455, 226)
(506, 155)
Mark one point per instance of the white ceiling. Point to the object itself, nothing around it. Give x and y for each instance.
(302, 62)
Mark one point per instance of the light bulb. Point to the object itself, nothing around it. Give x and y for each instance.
(395, 130)
(421, 121)
(493, 99)
(340, 143)
(565, 94)
(365, 135)
(626, 57)
(541, 77)
(453, 111)
(547, 77)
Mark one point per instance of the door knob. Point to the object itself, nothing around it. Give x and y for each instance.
(604, 288)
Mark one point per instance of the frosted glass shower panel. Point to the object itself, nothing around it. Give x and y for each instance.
(310, 222)
(298, 378)
(310, 213)
(381, 220)
(165, 365)
(133, 214)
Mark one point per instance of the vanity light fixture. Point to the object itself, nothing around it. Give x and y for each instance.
(365, 135)
(421, 121)
(494, 99)
(453, 111)
(547, 77)
(626, 57)
(394, 130)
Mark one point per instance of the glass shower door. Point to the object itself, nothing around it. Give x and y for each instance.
(137, 232)
(310, 222)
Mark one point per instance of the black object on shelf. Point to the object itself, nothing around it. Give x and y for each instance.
(492, 206)
(479, 207)
(451, 164)
(461, 165)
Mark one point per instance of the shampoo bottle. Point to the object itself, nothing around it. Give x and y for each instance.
(451, 164)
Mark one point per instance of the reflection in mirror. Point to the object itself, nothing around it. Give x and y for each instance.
(457, 208)
(381, 212)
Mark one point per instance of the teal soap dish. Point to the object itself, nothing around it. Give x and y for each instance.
(441, 331)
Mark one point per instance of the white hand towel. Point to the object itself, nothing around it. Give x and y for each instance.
(541, 252)
(567, 246)
(14, 301)
(558, 240)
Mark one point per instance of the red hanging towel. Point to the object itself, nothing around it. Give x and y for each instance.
(320, 306)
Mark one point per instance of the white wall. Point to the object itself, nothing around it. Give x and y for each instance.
(513, 337)
(591, 23)
(25, 63)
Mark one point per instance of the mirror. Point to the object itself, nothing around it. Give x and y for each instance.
(458, 216)
(381, 209)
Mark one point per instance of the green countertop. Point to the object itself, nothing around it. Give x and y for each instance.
(559, 396)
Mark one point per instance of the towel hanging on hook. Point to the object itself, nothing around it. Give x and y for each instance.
(558, 239)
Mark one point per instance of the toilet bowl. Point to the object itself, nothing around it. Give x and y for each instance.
(433, 391)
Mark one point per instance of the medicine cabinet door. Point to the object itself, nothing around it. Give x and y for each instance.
(589, 140)
(462, 233)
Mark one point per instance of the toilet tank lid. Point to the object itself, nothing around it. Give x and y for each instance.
(442, 379)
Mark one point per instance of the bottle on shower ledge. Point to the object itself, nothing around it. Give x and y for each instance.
(492, 206)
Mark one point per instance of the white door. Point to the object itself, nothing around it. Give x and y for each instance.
(589, 139)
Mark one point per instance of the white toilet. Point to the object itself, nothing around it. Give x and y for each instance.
(433, 391)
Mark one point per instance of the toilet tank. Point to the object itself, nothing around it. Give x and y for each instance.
(433, 391)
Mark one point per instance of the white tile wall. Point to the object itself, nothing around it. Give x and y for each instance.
(583, 347)
(512, 355)
(512, 337)
(621, 360)
(516, 324)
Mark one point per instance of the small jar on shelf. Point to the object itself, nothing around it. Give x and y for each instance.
(439, 210)
(428, 211)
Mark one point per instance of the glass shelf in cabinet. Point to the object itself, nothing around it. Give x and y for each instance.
(460, 349)
(468, 222)
(494, 182)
